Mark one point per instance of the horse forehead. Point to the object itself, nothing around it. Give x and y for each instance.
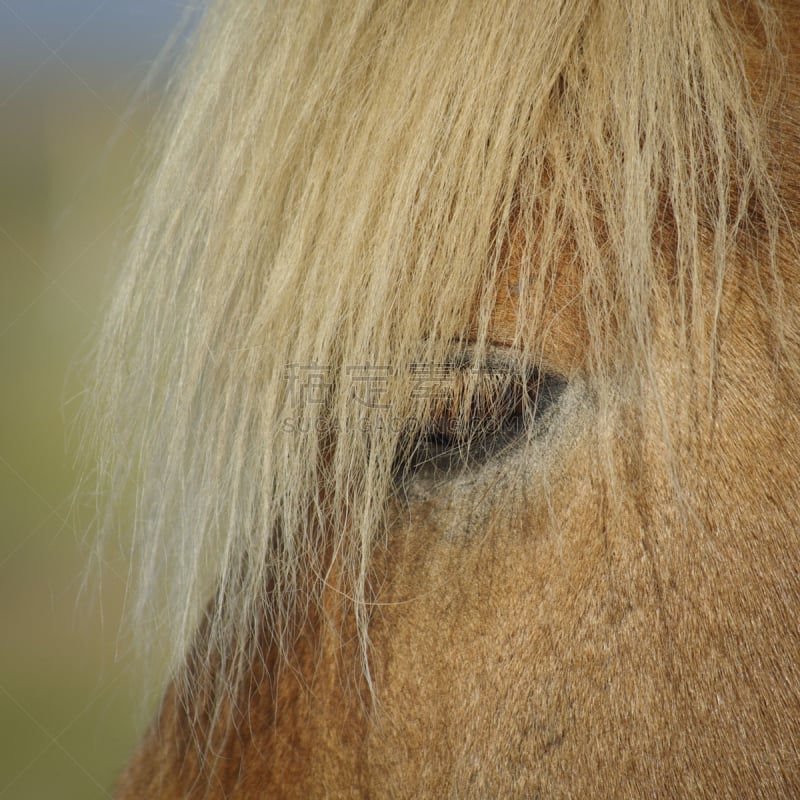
(549, 314)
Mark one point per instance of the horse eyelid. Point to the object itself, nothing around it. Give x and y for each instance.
(513, 402)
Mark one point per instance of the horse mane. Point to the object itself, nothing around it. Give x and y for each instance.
(334, 189)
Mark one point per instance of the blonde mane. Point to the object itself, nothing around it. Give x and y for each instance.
(335, 190)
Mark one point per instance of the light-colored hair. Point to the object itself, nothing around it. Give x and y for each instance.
(335, 189)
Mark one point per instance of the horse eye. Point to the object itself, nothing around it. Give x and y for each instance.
(482, 413)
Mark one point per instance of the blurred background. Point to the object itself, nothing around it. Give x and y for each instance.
(73, 119)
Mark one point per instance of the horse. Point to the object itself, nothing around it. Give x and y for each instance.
(454, 368)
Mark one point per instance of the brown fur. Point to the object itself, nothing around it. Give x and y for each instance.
(539, 629)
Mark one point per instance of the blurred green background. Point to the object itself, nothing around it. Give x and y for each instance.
(73, 119)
